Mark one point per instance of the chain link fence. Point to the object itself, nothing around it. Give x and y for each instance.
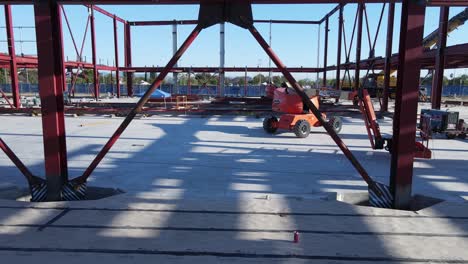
(87, 90)
(455, 91)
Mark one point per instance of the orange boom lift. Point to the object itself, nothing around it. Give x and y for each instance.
(295, 116)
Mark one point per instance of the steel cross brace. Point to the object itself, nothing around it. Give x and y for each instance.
(241, 15)
(348, 51)
(37, 186)
(6, 98)
(371, 44)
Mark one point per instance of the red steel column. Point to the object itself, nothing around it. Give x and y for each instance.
(438, 77)
(338, 56)
(116, 48)
(406, 104)
(325, 55)
(388, 57)
(93, 49)
(128, 58)
(11, 50)
(189, 83)
(51, 81)
(358, 46)
(245, 83)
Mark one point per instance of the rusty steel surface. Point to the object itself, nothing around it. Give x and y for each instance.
(325, 55)
(388, 56)
(116, 52)
(406, 104)
(52, 79)
(196, 2)
(94, 56)
(357, 69)
(128, 57)
(13, 61)
(194, 22)
(340, 40)
(437, 81)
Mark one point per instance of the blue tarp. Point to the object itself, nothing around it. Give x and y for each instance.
(158, 94)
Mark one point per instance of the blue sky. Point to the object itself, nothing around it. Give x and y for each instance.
(295, 44)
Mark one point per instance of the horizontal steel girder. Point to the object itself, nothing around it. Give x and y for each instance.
(195, 2)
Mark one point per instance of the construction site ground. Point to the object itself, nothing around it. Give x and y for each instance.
(218, 189)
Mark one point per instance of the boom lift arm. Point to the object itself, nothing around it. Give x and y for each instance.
(430, 41)
(455, 22)
(373, 129)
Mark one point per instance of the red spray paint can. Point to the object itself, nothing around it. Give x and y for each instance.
(296, 237)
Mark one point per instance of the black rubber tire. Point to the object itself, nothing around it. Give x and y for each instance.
(302, 128)
(269, 124)
(450, 136)
(336, 123)
(356, 101)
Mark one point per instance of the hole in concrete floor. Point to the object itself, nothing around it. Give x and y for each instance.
(418, 202)
(22, 194)
(96, 193)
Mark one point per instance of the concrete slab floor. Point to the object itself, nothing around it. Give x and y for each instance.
(204, 157)
(243, 230)
(219, 190)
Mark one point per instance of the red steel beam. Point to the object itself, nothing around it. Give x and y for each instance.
(245, 82)
(116, 49)
(377, 31)
(438, 77)
(51, 80)
(139, 106)
(13, 63)
(104, 12)
(194, 22)
(456, 57)
(196, 2)
(217, 69)
(298, 22)
(84, 38)
(357, 68)
(448, 3)
(388, 57)
(163, 22)
(70, 31)
(128, 58)
(94, 57)
(325, 55)
(406, 104)
(338, 56)
(331, 13)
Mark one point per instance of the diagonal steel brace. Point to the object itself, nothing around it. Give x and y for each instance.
(37, 186)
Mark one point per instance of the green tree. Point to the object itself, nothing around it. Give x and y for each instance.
(306, 82)
(206, 78)
(278, 80)
(259, 79)
(152, 76)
